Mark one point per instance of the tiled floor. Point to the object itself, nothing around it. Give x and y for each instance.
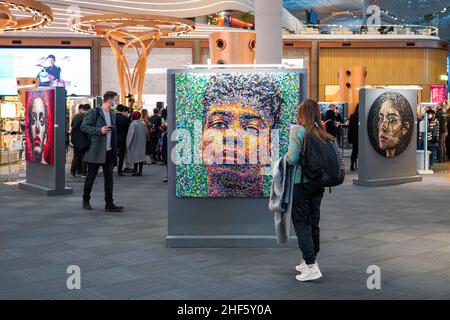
(405, 230)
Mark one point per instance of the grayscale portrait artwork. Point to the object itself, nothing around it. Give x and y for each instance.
(391, 124)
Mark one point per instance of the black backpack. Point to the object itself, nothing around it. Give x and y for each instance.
(322, 163)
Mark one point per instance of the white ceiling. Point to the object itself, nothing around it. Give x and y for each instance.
(64, 10)
(411, 10)
(407, 11)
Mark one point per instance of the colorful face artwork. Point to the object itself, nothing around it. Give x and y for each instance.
(231, 127)
(391, 124)
(39, 124)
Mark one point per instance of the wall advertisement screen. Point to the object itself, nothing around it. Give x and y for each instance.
(53, 67)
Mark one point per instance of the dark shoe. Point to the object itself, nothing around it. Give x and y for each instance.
(121, 174)
(135, 174)
(113, 208)
(87, 205)
(166, 180)
(72, 175)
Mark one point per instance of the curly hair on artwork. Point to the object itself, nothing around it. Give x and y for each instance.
(403, 107)
(251, 89)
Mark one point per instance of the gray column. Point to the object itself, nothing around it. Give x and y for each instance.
(269, 42)
(96, 68)
(196, 52)
(314, 72)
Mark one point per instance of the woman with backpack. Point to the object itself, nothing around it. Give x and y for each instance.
(307, 194)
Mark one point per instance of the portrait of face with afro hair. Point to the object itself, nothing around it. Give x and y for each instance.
(238, 106)
(239, 112)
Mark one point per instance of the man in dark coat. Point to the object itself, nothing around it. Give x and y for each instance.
(331, 120)
(353, 136)
(123, 124)
(80, 141)
(100, 124)
(155, 134)
(441, 117)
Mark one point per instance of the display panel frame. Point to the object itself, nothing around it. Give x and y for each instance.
(272, 103)
(218, 222)
(375, 169)
(46, 179)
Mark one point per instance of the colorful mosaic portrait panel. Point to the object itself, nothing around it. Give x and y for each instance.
(230, 128)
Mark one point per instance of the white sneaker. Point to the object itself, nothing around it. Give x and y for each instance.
(302, 266)
(310, 273)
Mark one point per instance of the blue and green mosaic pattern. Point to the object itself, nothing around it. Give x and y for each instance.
(276, 96)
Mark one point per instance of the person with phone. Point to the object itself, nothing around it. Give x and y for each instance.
(99, 124)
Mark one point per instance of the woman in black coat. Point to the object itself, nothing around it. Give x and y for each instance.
(330, 122)
(448, 136)
(353, 136)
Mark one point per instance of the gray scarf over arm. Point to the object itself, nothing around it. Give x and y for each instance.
(281, 196)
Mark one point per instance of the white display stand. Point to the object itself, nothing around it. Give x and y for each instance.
(45, 179)
(374, 169)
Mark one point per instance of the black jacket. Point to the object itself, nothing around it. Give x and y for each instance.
(122, 124)
(79, 139)
(353, 128)
(441, 117)
(156, 122)
(330, 119)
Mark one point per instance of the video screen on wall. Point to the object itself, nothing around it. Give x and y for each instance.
(53, 67)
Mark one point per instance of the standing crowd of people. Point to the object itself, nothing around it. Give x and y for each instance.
(437, 128)
(114, 135)
(123, 138)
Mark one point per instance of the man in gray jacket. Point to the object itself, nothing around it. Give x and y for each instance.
(99, 124)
